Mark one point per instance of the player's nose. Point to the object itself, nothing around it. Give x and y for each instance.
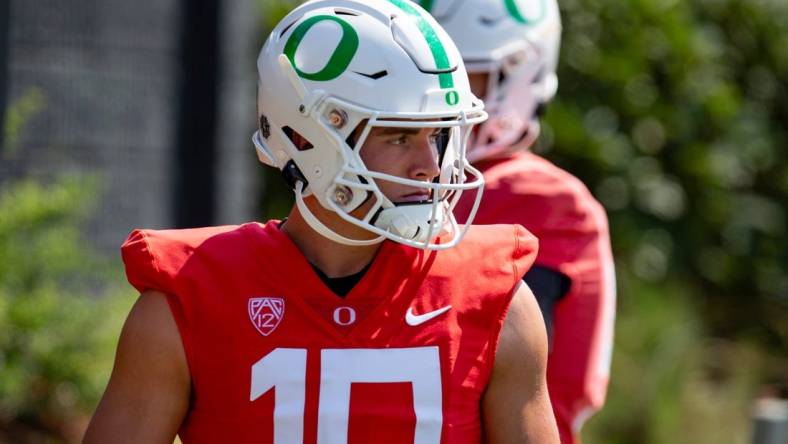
(425, 158)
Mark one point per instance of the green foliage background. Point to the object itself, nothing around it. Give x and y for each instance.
(61, 308)
(674, 114)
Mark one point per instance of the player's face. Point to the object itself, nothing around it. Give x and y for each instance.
(478, 83)
(410, 153)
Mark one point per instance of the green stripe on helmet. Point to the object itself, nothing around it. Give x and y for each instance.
(340, 59)
(434, 42)
(514, 11)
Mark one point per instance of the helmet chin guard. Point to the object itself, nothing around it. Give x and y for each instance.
(392, 66)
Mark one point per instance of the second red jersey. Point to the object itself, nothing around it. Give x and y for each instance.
(574, 240)
(276, 357)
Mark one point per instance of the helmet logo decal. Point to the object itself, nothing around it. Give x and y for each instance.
(434, 42)
(340, 59)
(452, 97)
(511, 7)
(266, 313)
(514, 11)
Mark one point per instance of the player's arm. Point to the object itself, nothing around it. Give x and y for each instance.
(516, 406)
(148, 393)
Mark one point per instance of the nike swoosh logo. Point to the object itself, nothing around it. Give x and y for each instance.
(415, 320)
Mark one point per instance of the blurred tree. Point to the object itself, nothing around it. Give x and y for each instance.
(56, 336)
(27, 106)
(673, 113)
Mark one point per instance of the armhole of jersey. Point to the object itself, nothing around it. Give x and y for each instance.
(550, 287)
(495, 335)
(176, 309)
(177, 312)
(503, 310)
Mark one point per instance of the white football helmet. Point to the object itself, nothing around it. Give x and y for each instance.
(517, 43)
(331, 71)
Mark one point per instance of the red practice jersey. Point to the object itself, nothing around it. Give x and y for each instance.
(276, 357)
(573, 238)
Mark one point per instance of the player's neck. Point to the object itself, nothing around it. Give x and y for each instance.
(332, 258)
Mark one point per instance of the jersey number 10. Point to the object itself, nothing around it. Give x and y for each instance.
(284, 370)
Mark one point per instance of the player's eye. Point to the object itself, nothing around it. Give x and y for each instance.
(440, 139)
(401, 139)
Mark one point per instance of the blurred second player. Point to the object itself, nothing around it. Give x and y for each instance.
(510, 49)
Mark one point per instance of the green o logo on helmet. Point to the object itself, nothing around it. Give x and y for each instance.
(511, 8)
(452, 97)
(514, 11)
(340, 59)
(348, 45)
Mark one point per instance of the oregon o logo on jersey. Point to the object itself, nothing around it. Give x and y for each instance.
(340, 59)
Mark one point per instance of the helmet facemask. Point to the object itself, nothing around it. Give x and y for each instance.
(355, 192)
(518, 86)
(412, 222)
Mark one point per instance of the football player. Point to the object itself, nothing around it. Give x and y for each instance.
(361, 318)
(510, 48)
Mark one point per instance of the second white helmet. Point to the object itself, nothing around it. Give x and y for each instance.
(516, 42)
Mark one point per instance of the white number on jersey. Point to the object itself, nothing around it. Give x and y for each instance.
(284, 370)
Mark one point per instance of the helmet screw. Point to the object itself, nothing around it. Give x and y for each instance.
(342, 195)
(301, 109)
(337, 118)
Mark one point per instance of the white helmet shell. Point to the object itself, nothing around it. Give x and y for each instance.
(517, 43)
(332, 69)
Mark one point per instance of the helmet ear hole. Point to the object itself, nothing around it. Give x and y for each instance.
(299, 142)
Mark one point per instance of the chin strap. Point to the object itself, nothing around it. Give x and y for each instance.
(318, 226)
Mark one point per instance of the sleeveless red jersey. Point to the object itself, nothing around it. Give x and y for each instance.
(574, 239)
(276, 357)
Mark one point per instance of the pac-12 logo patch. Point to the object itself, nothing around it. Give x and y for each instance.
(266, 313)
